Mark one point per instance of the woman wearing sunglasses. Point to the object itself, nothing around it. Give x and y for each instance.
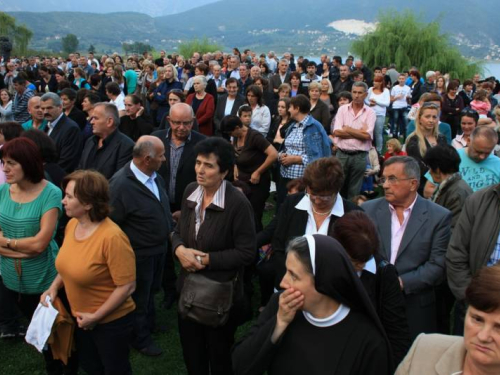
(312, 212)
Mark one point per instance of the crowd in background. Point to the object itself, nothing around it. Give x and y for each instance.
(384, 214)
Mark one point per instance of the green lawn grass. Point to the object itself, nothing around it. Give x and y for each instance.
(19, 358)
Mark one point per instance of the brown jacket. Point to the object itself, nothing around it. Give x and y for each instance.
(61, 339)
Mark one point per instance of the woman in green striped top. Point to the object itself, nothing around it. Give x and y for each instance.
(29, 210)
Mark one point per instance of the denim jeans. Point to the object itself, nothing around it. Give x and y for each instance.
(378, 133)
(400, 122)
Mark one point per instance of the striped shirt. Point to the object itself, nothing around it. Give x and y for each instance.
(22, 220)
(175, 158)
(196, 196)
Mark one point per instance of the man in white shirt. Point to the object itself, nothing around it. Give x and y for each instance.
(400, 95)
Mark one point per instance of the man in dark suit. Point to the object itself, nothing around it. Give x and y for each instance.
(282, 76)
(141, 209)
(63, 131)
(108, 150)
(225, 100)
(414, 235)
(178, 172)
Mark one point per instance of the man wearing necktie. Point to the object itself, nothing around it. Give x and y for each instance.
(142, 210)
(64, 132)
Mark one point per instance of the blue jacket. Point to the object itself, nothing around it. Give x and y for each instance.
(163, 90)
(317, 143)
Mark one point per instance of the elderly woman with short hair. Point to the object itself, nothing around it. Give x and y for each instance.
(319, 110)
(312, 212)
(214, 240)
(203, 105)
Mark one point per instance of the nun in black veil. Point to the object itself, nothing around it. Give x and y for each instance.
(322, 323)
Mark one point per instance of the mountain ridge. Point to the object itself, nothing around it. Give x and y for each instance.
(263, 25)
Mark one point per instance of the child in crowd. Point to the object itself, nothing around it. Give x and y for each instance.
(372, 170)
(245, 115)
(394, 148)
(481, 103)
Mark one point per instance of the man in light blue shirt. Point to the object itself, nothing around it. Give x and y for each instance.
(479, 166)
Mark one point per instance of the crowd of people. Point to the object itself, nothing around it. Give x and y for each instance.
(126, 178)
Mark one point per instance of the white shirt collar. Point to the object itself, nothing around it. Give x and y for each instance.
(329, 321)
(370, 266)
(54, 123)
(219, 197)
(337, 209)
(141, 176)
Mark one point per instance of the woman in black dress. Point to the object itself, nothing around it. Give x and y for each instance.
(322, 323)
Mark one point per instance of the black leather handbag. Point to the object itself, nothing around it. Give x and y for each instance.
(206, 301)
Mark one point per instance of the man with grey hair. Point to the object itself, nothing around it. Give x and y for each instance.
(271, 61)
(414, 234)
(108, 150)
(353, 135)
(64, 132)
(140, 205)
(430, 82)
(282, 76)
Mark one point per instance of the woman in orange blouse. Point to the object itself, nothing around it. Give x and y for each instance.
(96, 267)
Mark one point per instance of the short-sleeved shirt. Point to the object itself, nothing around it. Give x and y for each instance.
(92, 268)
(479, 175)
(251, 156)
(22, 220)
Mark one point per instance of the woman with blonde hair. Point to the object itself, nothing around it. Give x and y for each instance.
(425, 136)
(319, 110)
(119, 78)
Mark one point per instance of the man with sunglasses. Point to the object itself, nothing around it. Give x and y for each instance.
(414, 234)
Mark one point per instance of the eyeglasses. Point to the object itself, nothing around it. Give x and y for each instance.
(324, 198)
(183, 123)
(469, 111)
(393, 180)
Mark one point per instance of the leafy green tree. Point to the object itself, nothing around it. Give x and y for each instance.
(405, 40)
(187, 49)
(70, 43)
(91, 49)
(136, 47)
(19, 35)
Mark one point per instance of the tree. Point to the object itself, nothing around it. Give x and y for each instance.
(19, 35)
(136, 47)
(70, 43)
(202, 46)
(91, 49)
(405, 40)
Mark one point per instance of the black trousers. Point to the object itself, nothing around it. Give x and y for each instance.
(104, 350)
(207, 350)
(27, 304)
(258, 198)
(169, 276)
(148, 282)
(421, 313)
(9, 313)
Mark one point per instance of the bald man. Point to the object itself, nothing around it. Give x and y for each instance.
(37, 120)
(141, 208)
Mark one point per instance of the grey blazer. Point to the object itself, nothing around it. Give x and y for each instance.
(421, 256)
